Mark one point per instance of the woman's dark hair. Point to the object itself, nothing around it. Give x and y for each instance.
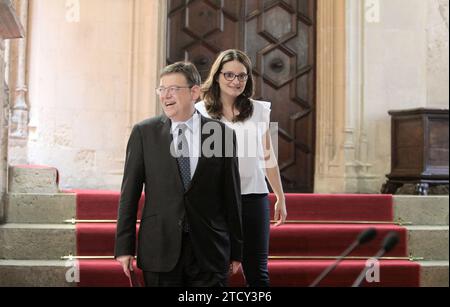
(211, 88)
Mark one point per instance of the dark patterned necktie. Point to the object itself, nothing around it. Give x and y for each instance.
(184, 165)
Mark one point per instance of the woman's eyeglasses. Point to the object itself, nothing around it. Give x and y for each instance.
(230, 76)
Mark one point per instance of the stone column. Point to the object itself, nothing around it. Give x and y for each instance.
(147, 58)
(3, 134)
(9, 28)
(330, 160)
(20, 110)
(342, 164)
(358, 177)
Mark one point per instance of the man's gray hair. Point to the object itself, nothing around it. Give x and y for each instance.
(185, 68)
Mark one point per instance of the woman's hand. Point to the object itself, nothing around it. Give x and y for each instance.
(280, 212)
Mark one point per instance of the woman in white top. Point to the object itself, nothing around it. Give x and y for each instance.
(227, 97)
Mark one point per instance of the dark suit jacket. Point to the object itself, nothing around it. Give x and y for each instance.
(212, 202)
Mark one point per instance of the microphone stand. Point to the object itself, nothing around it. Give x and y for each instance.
(364, 237)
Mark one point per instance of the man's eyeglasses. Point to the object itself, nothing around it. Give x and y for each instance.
(172, 90)
(230, 76)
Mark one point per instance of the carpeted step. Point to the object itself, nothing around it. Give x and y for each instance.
(325, 207)
(331, 240)
(98, 205)
(287, 240)
(292, 273)
(301, 273)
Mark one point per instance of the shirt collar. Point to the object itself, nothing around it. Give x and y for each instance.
(189, 123)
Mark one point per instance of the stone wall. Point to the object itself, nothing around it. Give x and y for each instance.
(437, 54)
(396, 57)
(92, 70)
(405, 66)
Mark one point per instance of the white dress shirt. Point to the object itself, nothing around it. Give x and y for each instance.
(193, 139)
(249, 134)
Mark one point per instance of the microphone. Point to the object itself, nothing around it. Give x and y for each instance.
(389, 242)
(364, 237)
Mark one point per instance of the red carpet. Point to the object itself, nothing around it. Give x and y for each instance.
(314, 207)
(95, 205)
(99, 205)
(283, 273)
(96, 239)
(288, 240)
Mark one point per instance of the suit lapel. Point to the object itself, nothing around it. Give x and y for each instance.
(201, 160)
(166, 141)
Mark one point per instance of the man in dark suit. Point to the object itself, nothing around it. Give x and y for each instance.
(190, 232)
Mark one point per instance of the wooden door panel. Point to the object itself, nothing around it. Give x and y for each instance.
(280, 39)
(199, 30)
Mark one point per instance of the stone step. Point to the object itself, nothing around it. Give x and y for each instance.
(37, 273)
(429, 242)
(434, 273)
(422, 210)
(40, 208)
(33, 179)
(36, 241)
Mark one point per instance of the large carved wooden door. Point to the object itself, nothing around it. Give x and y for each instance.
(280, 38)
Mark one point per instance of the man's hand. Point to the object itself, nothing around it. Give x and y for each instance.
(234, 267)
(127, 264)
